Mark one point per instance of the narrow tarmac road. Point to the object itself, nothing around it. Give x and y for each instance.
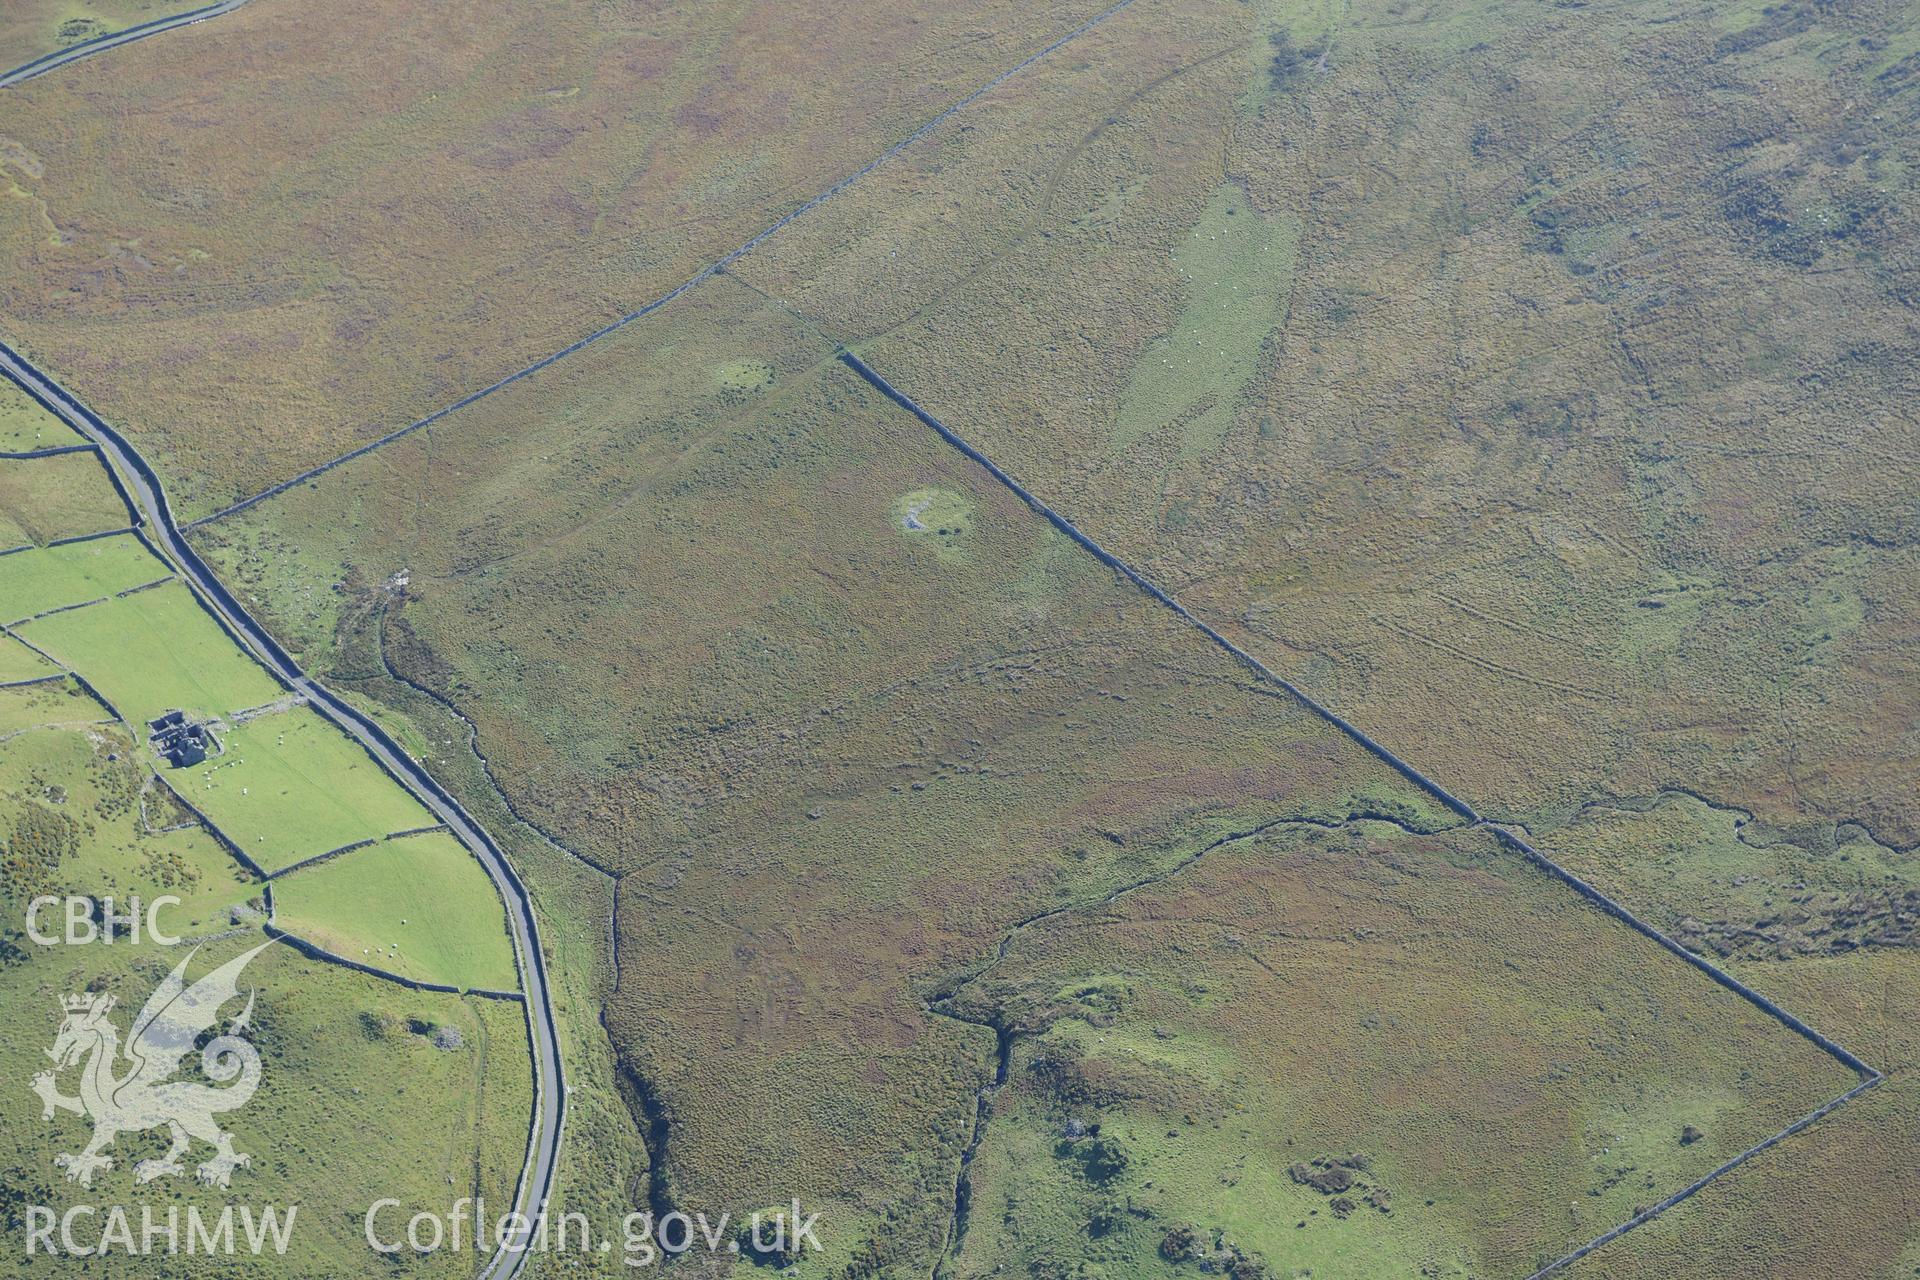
(536, 1177)
(113, 40)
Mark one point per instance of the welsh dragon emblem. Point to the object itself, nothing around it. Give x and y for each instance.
(173, 1020)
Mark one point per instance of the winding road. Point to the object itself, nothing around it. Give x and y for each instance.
(140, 482)
(113, 40)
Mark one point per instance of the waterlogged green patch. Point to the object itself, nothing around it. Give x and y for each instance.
(80, 30)
(937, 517)
(1296, 35)
(743, 377)
(1238, 266)
(1661, 619)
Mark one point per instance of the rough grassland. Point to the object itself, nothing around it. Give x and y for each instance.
(420, 907)
(1558, 469)
(718, 660)
(917, 801)
(65, 496)
(1847, 1201)
(354, 1103)
(33, 582)
(1505, 1071)
(54, 702)
(1565, 443)
(29, 28)
(342, 217)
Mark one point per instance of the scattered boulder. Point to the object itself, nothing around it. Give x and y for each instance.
(1180, 1244)
(1328, 1177)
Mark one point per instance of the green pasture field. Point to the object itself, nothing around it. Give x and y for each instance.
(33, 582)
(419, 906)
(65, 496)
(290, 786)
(25, 426)
(18, 662)
(153, 651)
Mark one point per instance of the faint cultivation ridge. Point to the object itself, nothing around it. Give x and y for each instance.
(113, 39)
(1870, 1075)
(704, 273)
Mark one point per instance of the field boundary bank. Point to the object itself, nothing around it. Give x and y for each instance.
(318, 858)
(547, 1119)
(63, 608)
(355, 846)
(1872, 1076)
(685, 286)
(145, 586)
(53, 451)
(53, 61)
(91, 537)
